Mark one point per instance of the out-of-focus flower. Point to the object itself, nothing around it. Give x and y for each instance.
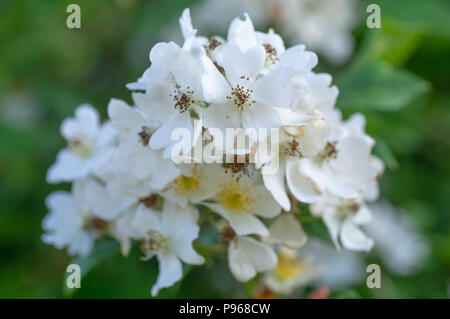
(323, 25)
(78, 218)
(168, 236)
(89, 146)
(397, 239)
(291, 272)
(338, 269)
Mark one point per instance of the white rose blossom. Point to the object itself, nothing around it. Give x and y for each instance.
(133, 182)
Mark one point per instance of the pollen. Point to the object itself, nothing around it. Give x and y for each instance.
(96, 225)
(212, 44)
(239, 166)
(329, 152)
(291, 148)
(152, 243)
(221, 69)
(271, 55)
(241, 97)
(236, 197)
(151, 200)
(288, 267)
(145, 135)
(187, 184)
(182, 99)
(348, 209)
(81, 147)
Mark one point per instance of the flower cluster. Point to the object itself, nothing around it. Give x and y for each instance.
(132, 181)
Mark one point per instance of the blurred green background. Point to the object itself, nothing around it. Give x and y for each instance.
(398, 77)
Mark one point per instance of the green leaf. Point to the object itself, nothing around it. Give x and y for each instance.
(102, 250)
(378, 86)
(395, 43)
(383, 151)
(433, 15)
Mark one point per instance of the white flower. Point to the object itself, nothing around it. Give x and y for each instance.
(89, 147)
(168, 235)
(196, 183)
(240, 201)
(338, 269)
(343, 218)
(64, 225)
(397, 240)
(292, 272)
(323, 25)
(344, 167)
(178, 84)
(293, 144)
(133, 156)
(247, 257)
(253, 92)
(76, 219)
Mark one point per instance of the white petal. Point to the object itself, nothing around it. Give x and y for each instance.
(261, 116)
(188, 72)
(162, 137)
(85, 123)
(68, 167)
(186, 24)
(165, 171)
(242, 33)
(354, 238)
(123, 117)
(271, 38)
(146, 219)
(222, 116)
(333, 224)
(103, 203)
(215, 86)
(286, 230)
(301, 187)
(265, 205)
(275, 184)
(247, 256)
(242, 223)
(160, 103)
(170, 271)
(238, 64)
(297, 57)
(273, 89)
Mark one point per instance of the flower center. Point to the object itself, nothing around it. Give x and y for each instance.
(348, 209)
(152, 243)
(241, 97)
(288, 267)
(236, 198)
(183, 99)
(212, 45)
(186, 184)
(291, 148)
(239, 166)
(81, 147)
(329, 152)
(271, 55)
(95, 225)
(151, 200)
(145, 135)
